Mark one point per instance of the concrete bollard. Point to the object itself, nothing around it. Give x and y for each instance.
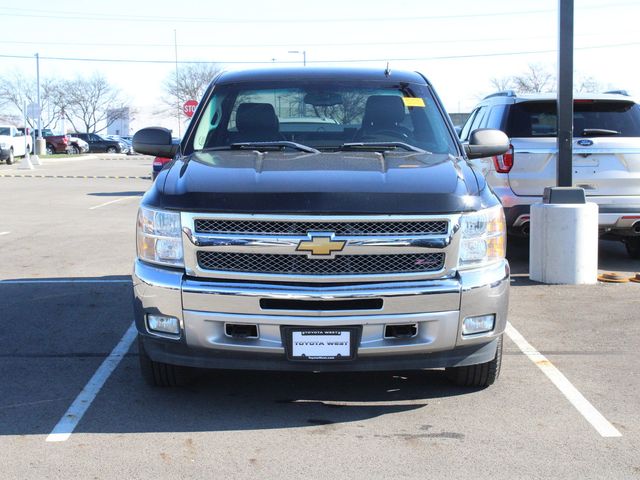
(40, 149)
(25, 163)
(564, 243)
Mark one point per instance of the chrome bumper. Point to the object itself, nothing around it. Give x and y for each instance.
(437, 307)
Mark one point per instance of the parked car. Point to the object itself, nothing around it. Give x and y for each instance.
(157, 166)
(126, 140)
(606, 157)
(99, 144)
(12, 143)
(77, 145)
(54, 144)
(369, 245)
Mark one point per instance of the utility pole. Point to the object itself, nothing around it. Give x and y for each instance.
(38, 147)
(38, 96)
(175, 45)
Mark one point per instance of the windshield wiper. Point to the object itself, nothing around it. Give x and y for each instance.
(588, 132)
(381, 146)
(275, 145)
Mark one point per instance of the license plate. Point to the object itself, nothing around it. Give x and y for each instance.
(321, 344)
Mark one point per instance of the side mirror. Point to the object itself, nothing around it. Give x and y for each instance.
(155, 141)
(486, 142)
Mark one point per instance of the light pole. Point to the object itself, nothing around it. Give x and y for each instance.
(175, 45)
(561, 255)
(38, 95)
(38, 148)
(304, 56)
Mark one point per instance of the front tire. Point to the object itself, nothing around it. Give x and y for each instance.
(633, 247)
(481, 375)
(112, 150)
(10, 158)
(158, 374)
(74, 150)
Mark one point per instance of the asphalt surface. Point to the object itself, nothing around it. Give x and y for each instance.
(66, 250)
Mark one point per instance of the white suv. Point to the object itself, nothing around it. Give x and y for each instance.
(606, 157)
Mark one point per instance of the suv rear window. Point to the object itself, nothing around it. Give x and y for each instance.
(538, 119)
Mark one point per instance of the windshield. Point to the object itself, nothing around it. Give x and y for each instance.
(5, 131)
(322, 114)
(538, 119)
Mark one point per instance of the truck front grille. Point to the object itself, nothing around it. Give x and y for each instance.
(340, 265)
(362, 228)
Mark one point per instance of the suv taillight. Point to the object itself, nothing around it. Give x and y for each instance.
(65, 140)
(504, 162)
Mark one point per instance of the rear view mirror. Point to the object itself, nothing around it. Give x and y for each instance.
(155, 141)
(486, 142)
(323, 99)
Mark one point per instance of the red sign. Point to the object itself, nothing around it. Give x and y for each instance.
(189, 108)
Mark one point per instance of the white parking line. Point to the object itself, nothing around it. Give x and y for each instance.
(588, 411)
(67, 424)
(4, 233)
(112, 201)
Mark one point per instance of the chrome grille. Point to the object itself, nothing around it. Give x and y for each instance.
(360, 228)
(301, 265)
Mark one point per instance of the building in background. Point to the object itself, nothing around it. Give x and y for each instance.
(118, 120)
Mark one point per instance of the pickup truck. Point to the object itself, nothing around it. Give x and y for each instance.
(369, 245)
(12, 143)
(54, 143)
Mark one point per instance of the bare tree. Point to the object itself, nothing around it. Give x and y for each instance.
(537, 79)
(588, 84)
(15, 120)
(91, 103)
(16, 90)
(190, 84)
(501, 84)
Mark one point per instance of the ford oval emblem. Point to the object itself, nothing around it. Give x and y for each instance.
(585, 142)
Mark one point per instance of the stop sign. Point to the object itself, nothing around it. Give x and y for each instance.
(189, 108)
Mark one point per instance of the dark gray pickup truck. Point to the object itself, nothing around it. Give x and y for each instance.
(320, 220)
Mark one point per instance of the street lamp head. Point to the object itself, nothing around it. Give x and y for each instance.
(304, 55)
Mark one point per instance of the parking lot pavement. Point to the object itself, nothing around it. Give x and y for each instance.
(65, 303)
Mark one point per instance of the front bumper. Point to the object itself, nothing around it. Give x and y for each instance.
(437, 307)
(4, 153)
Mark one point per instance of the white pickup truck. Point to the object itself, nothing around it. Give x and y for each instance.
(12, 143)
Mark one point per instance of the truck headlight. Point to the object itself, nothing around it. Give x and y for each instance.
(483, 237)
(159, 237)
(4, 145)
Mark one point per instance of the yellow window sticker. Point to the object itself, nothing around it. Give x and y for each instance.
(413, 102)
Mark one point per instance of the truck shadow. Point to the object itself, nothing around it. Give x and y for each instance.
(244, 400)
(61, 330)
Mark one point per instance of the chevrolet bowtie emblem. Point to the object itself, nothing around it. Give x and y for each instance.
(321, 245)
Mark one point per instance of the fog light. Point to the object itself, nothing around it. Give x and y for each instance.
(158, 323)
(480, 324)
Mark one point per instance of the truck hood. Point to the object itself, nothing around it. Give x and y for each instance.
(320, 183)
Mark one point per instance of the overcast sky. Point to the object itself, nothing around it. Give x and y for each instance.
(459, 45)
